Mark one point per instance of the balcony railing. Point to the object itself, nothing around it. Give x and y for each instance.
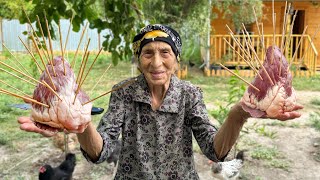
(305, 54)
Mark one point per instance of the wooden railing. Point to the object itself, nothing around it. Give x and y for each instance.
(305, 58)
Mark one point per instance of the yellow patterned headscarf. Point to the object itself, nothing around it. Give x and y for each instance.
(157, 32)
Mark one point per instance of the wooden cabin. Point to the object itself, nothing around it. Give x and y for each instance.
(306, 55)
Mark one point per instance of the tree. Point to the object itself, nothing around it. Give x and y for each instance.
(12, 9)
(239, 11)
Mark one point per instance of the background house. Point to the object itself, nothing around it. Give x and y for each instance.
(307, 15)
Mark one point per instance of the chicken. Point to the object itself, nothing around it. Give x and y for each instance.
(63, 172)
(228, 169)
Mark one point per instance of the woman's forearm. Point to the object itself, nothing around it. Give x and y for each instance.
(230, 130)
(91, 142)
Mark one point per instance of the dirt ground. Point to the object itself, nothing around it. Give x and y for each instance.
(296, 141)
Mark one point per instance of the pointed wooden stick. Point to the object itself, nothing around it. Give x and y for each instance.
(45, 43)
(60, 34)
(126, 84)
(246, 53)
(45, 67)
(33, 30)
(255, 16)
(31, 54)
(19, 72)
(82, 62)
(16, 59)
(65, 44)
(240, 77)
(312, 38)
(16, 89)
(296, 50)
(17, 77)
(22, 97)
(284, 29)
(52, 90)
(100, 79)
(253, 68)
(75, 55)
(261, 65)
(290, 32)
(49, 35)
(89, 70)
(80, 84)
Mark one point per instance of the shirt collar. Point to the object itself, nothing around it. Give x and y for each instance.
(171, 99)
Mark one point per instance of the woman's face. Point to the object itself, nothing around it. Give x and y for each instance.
(157, 63)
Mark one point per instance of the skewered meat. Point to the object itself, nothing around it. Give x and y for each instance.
(272, 99)
(63, 112)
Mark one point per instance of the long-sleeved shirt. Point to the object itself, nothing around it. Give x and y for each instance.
(156, 144)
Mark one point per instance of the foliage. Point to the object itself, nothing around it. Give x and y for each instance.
(239, 11)
(236, 91)
(315, 120)
(12, 9)
(122, 19)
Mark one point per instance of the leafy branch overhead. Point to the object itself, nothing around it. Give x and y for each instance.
(124, 18)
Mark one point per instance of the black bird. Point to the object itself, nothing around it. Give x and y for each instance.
(62, 172)
(115, 153)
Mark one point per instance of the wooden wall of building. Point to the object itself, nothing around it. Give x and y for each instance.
(311, 18)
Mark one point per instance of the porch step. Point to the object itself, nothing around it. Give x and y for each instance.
(318, 68)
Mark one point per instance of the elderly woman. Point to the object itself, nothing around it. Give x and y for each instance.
(156, 115)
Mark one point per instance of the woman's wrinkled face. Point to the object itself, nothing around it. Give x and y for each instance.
(157, 63)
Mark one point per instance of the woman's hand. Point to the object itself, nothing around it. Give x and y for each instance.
(284, 116)
(27, 125)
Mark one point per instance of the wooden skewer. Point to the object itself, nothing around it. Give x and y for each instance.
(52, 90)
(33, 32)
(126, 84)
(45, 67)
(22, 97)
(45, 43)
(65, 44)
(89, 70)
(312, 38)
(284, 29)
(82, 62)
(246, 53)
(31, 54)
(80, 84)
(256, 56)
(75, 55)
(16, 59)
(20, 72)
(240, 77)
(45, 52)
(255, 16)
(49, 35)
(60, 34)
(290, 32)
(100, 79)
(254, 69)
(18, 77)
(295, 52)
(274, 37)
(15, 89)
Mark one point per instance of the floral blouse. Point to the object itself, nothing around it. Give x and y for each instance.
(156, 144)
